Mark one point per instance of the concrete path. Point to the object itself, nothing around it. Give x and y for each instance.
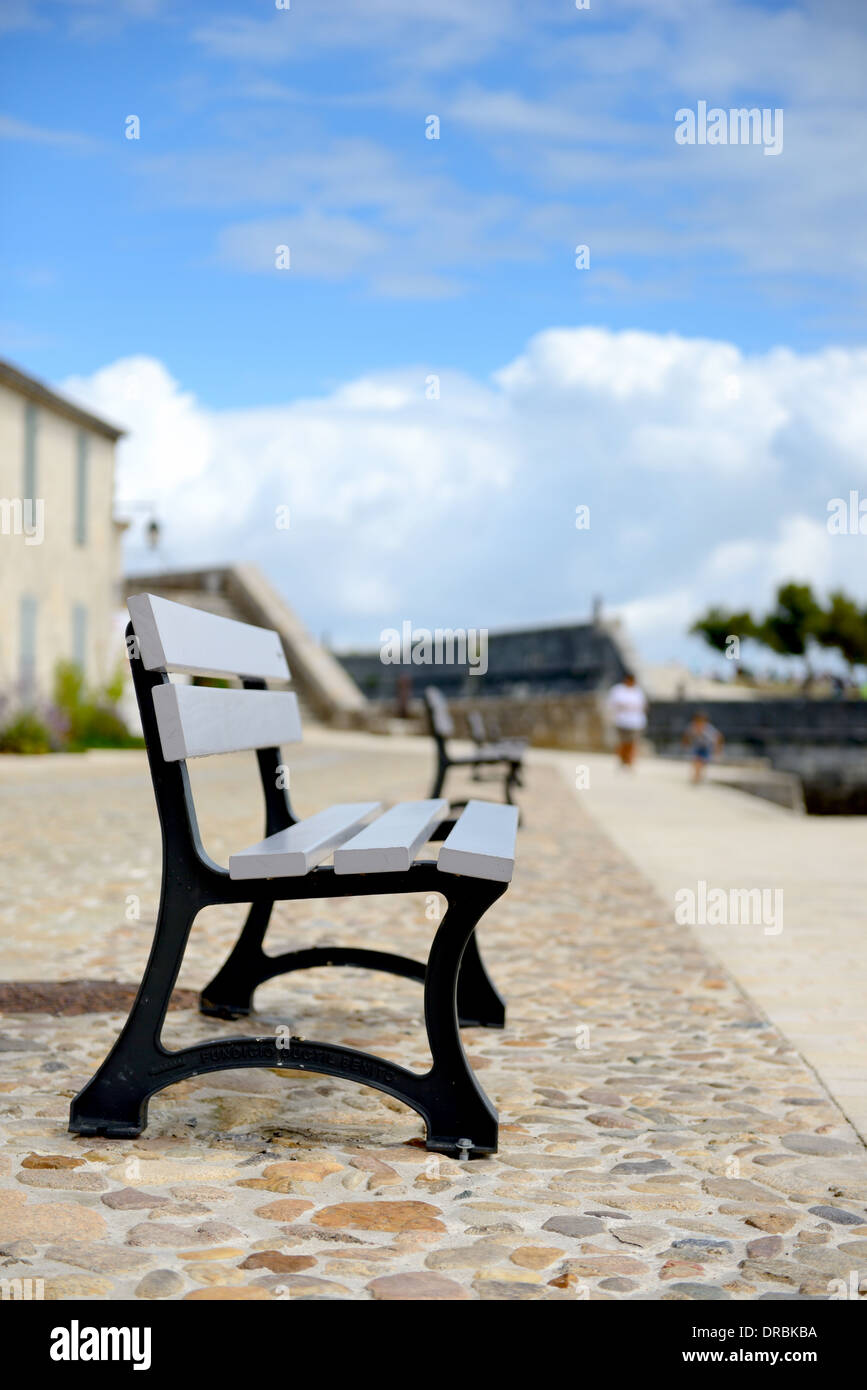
(810, 978)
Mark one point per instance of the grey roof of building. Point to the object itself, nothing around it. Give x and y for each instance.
(41, 394)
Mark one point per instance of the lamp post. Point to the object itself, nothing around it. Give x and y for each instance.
(153, 530)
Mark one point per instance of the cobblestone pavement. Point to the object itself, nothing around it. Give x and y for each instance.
(659, 1138)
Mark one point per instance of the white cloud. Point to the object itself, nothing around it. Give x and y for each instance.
(646, 618)
(428, 35)
(18, 15)
(572, 123)
(12, 129)
(352, 207)
(330, 248)
(707, 473)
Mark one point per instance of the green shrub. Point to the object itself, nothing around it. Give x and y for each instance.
(90, 720)
(76, 720)
(100, 726)
(26, 733)
(68, 688)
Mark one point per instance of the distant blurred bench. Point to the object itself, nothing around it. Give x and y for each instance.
(507, 753)
(370, 857)
(485, 738)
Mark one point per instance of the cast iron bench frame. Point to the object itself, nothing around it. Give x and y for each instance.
(458, 1116)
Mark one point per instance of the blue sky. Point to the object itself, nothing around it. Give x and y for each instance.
(410, 256)
(556, 129)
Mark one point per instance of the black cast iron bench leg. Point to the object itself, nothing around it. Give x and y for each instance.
(114, 1102)
(480, 1004)
(512, 778)
(230, 993)
(458, 1116)
(442, 768)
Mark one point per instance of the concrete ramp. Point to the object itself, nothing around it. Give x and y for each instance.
(242, 592)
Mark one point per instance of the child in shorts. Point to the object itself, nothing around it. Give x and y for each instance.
(704, 741)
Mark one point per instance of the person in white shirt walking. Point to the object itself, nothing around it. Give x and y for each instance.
(627, 706)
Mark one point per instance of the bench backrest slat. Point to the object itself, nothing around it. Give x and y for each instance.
(175, 637)
(477, 726)
(195, 721)
(439, 712)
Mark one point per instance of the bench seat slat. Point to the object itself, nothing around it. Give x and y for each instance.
(482, 844)
(390, 843)
(507, 747)
(292, 853)
(196, 720)
(175, 637)
(486, 755)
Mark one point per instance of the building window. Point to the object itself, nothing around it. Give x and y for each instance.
(27, 645)
(31, 418)
(79, 636)
(81, 470)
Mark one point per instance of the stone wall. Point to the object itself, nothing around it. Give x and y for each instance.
(823, 742)
(756, 725)
(548, 721)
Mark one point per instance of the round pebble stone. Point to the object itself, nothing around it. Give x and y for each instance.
(159, 1283)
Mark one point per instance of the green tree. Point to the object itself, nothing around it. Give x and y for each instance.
(796, 619)
(788, 627)
(843, 626)
(718, 625)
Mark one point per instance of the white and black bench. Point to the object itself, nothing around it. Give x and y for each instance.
(370, 854)
(486, 736)
(507, 754)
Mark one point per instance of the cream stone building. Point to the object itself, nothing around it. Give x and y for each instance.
(60, 561)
